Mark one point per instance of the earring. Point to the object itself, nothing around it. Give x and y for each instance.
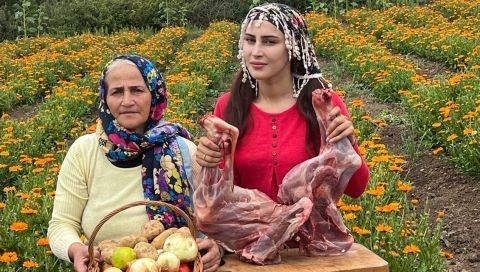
(246, 74)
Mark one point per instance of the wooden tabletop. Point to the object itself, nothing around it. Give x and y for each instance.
(357, 259)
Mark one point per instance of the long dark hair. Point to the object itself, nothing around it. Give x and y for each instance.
(242, 95)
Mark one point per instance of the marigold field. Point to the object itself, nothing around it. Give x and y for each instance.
(59, 77)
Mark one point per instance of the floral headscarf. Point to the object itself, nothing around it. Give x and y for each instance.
(163, 174)
(292, 24)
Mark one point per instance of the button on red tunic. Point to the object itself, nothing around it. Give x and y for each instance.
(273, 144)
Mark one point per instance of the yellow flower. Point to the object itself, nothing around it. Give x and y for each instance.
(19, 226)
(448, 255)
(357, 103)
(30, 264)
(349, 216)
(394, 206)
(437, 150)
(452, 137)
(440, 215)
(411, 249)
(8, 257)
(9, 189)
(469, 131)
(15, 168)
(379, 190)
(37, 170)
(42, 242)
(384, 228)
(361, 231)
(393, 253)
(352, 208)
(395, 168)
(403, 187)
(407, 232)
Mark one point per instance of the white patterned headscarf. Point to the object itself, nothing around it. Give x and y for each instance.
(292, 24)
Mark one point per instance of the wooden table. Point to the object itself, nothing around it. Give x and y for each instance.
(357, 259)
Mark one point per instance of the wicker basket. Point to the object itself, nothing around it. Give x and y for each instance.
(94, 266)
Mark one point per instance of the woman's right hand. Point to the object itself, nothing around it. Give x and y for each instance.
(208, 153)
(78, 253)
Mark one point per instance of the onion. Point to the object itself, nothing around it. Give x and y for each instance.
(183, 245)
(168, 262)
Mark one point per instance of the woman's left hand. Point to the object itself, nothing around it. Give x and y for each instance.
(340, 127)
(211, 259)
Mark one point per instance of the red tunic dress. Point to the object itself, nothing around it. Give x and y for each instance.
(273, 144)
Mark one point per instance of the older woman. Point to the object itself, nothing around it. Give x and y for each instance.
(133, 155)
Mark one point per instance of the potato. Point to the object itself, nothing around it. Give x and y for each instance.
(158, 241)
(145, 250)
(106, 248)
(150, 229)
(131, 240)
(185, 230)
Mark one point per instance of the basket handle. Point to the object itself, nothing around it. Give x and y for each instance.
(93, 265)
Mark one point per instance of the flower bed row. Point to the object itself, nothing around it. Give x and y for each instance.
(41, 144)
(391, 77)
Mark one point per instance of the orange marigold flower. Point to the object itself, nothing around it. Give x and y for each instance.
(9, 189)
(379, 190)
(28, 211)
(469, 131)
(411, 248)
(440, 214)
(452, 137)
(349, 216)
(403, 187)
(446, 254)
(414, 201)
(384, 228)
(437, 150)
(393, 253)
(22, 195)
(2, 205)
(396, 168)
(357, 103)
(37, 170)
(436, 125)
(9, 257)
(42, 242)
(19, 226)
(15, 168)
(394, 206)
(407, 232)
(361, 231)
(30, 264)
(352, 208)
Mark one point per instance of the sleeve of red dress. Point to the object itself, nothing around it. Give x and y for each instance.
(357, 184)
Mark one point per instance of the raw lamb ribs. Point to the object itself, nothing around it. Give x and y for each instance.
(255, 227)
(323, 179)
